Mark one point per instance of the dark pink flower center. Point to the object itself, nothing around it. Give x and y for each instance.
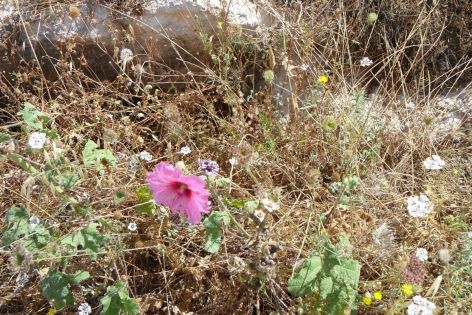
(181, 188)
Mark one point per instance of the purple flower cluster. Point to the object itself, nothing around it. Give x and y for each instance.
(209, 167)
(414, 272)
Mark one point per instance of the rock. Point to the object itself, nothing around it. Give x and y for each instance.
(164, 43)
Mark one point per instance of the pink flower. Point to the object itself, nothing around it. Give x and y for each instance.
(182, 194)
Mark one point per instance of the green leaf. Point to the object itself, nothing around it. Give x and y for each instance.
(17, 228)
(52, 134)
(350, 183)
(56, 287)
(341, 300)
(303, 282)
(59, 172)
(145, 204)
(251, 205)
(32, 117)
(326, 287)
(117, 300)
(94, 157)
(67, 179)
(89, 239)
(4, 137)
(38, 238)
(213, 224)
(237, 203)
(347, 272)
(16, 225)
(80, 276)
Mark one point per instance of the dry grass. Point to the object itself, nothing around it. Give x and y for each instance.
(356, 125)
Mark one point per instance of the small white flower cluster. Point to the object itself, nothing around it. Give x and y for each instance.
(145, 156)
(84, 309)
(185, 150)
(422, 254)
(132, 226)
(37, 140)
(434, 162)
(421, 306)
(366, 62)
(419, 206)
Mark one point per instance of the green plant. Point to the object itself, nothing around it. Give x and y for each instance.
(95, 157)
(461, 269)
(59, 172)
(55, 287)
(117, 301)
(32, 117)
(4, 137)
(145, 201)
(18, 229)
(89, 238)
(346, 190)
(213, 224)
(331, 276)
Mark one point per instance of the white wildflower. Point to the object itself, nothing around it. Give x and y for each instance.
(366, 62)
(37, 140)
(126, 55)
(269, 205)
(34, 221)
(410, 105)
(419, 206)
(434, 162)
(185, 150)
(84, 309)
(421, 306)
(145, 156)
(422, 254)
(132, 226)
(233, 161)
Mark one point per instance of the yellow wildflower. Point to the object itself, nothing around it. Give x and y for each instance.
(377, 295)
(51, 311)
(323, 79)
(407, 289)
(367, 300)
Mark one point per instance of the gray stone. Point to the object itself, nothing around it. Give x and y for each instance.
(161, 44)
